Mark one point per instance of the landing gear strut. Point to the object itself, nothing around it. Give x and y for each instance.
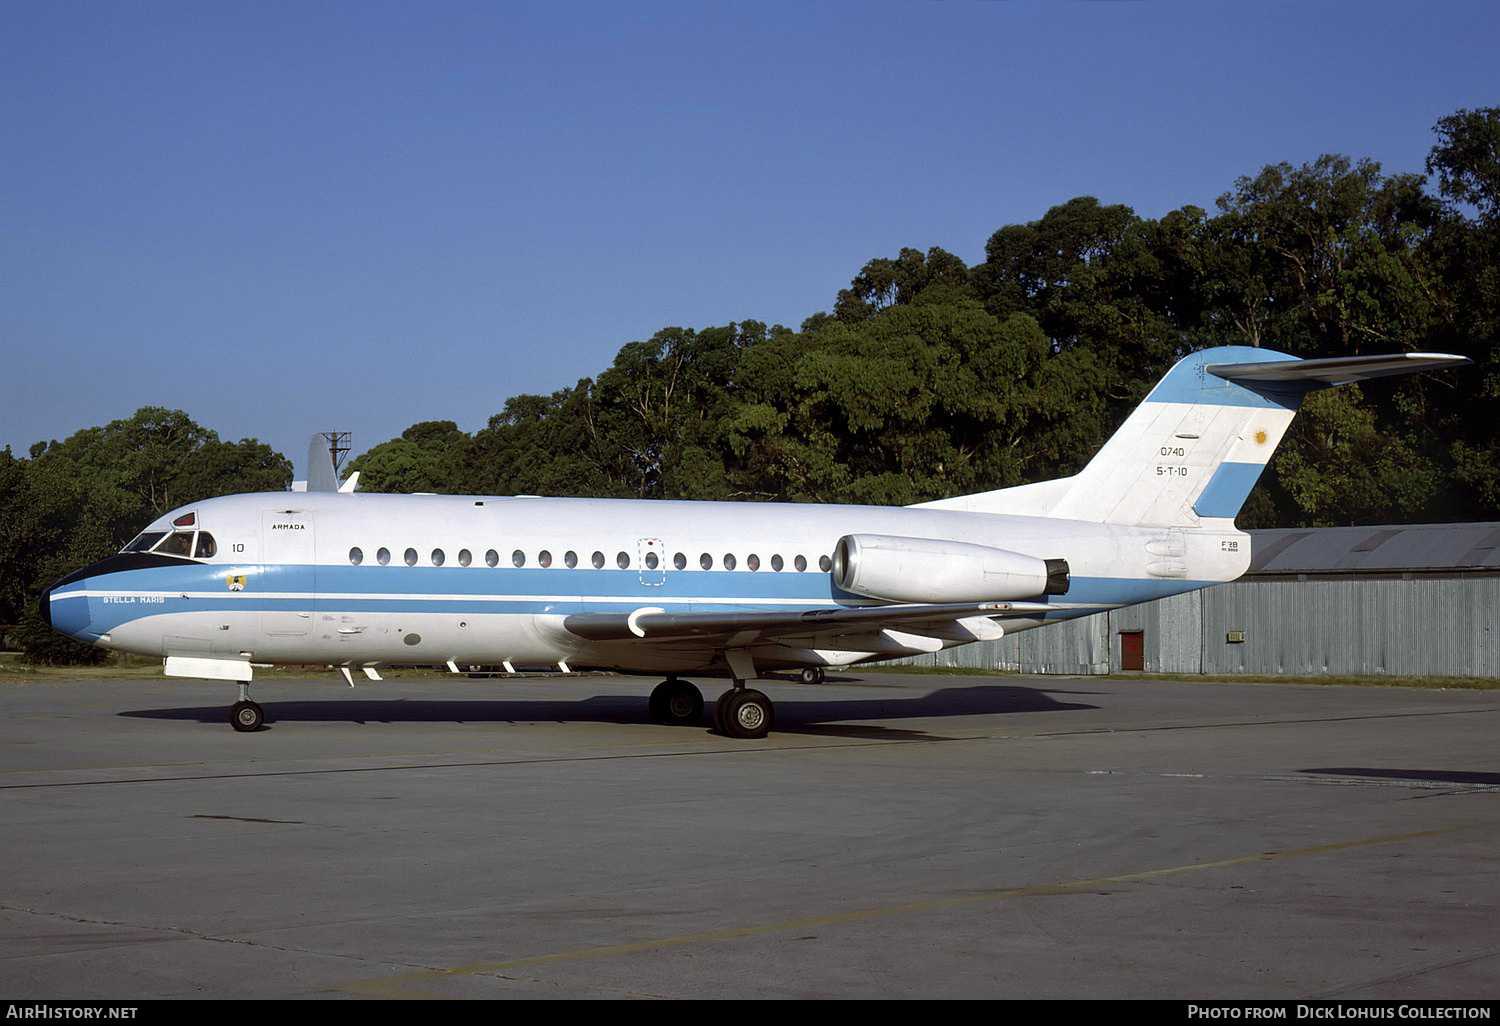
(246, 715)
(676, 703)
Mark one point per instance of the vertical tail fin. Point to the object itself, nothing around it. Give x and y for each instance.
(321, 475)
(1193, 449)
(1196, 446)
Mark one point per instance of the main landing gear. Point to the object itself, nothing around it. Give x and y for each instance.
(744, 713)
(246, 715)
(676, 703)
(740, 712)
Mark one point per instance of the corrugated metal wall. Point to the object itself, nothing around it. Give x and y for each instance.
(1429, 626)
(1076, 647)
(1447, 627)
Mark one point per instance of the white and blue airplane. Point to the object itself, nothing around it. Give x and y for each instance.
(335, 578)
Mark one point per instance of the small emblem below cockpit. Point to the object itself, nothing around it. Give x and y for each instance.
(236, 582)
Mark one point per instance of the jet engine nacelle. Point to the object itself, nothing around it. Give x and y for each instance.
(931, 570)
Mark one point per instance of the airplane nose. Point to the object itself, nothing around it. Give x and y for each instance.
(67, 611)
(71, 606)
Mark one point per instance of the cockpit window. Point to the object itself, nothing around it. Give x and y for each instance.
(178, 543)
(205, 547)
(143, 542)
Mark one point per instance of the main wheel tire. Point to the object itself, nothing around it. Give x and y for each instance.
(747, 714)
(811, 675)
(246, 716)
(719, 708)
(676, 703)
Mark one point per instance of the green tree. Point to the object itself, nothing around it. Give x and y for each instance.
(1099, 279)
(1466, 160)
(428, 457)
(79, 500)
(882, 283)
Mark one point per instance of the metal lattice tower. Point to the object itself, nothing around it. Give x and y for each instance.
(338, 448)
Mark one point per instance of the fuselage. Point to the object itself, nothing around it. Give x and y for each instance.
(378, 580)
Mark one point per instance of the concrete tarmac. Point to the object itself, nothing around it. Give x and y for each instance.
(897, 836)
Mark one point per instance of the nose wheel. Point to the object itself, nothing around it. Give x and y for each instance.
(245, 715)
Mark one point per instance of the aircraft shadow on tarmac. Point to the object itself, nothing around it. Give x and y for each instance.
(814, 716)
(1433, 776)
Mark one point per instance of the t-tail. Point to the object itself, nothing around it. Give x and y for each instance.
(1194, 448)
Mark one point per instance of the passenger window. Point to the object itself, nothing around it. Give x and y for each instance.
(598, 561)
(679, 561)
(492, 558)
(570, 559)
(438, 559)
(411, 557)
(544, 558)
(465, 557)
(518, 558)
(205, 548)
(752, 561)
(800, 563)
(825, 564)
(706, 561)
(729, 561)
(383, 556)
(651, 561)
(622, 560)
(776, 563)
(356, 556)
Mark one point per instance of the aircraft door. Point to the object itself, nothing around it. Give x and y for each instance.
(651, 556)
(287, 581)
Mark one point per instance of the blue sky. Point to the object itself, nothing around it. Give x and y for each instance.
(292, 217)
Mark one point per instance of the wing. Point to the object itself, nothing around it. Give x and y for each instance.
(914, 628)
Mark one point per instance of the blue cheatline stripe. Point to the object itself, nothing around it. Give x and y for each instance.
(397, 584)
(583, 585)
(1228, 489)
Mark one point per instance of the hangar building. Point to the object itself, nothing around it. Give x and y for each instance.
(1401, 601)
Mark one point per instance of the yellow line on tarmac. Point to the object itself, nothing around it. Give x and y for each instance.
(400, 986)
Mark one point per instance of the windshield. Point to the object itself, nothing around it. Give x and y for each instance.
(144, 541)
(189, 544)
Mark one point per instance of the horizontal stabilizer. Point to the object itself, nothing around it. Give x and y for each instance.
(1339, 370)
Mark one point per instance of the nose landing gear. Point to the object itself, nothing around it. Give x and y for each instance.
(246, 715)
